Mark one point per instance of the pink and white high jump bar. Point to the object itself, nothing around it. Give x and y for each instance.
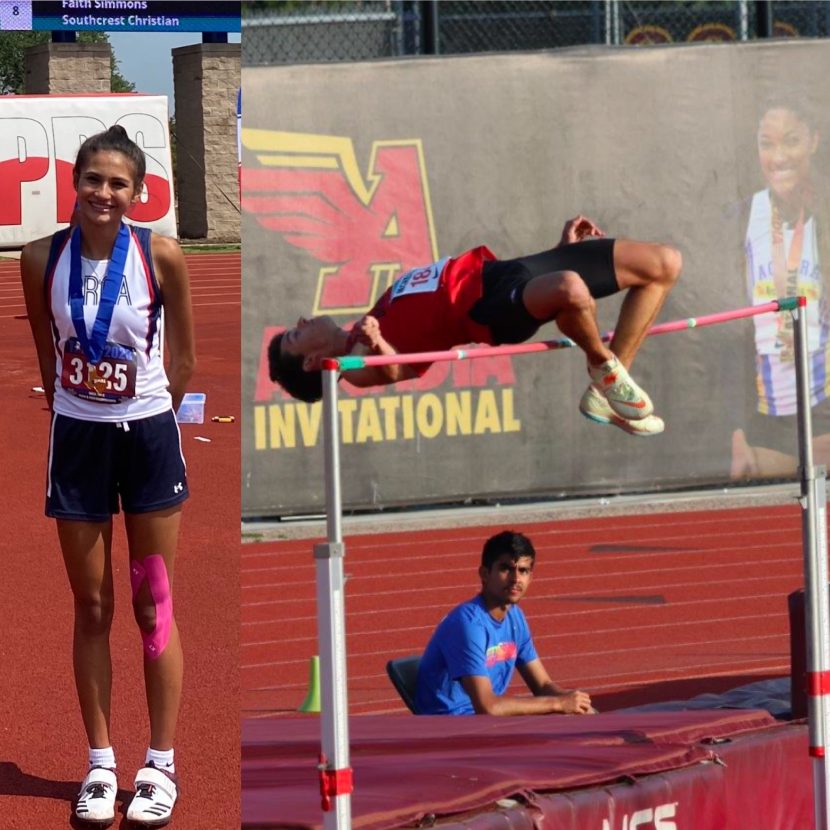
(335, 772)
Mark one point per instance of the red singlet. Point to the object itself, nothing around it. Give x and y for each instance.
(433, 315)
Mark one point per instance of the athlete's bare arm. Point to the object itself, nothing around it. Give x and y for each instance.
(371, 341)
(538, 680)
(171, 273)
(540, 683)
(33, 274)
(487, 702)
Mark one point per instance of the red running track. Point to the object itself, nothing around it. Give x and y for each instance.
(42, 744)
(632, 609)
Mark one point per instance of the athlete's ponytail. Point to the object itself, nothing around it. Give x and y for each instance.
(115, 139)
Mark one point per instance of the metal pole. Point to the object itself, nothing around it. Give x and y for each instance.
(763, 18)
(743, 17)
(817, 619)
(331, 447)
(335, 772)
(608, 22)
(431, 32)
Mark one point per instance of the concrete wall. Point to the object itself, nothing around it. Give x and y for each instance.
(355, 173)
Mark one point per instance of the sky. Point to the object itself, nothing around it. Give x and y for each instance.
(146, 59)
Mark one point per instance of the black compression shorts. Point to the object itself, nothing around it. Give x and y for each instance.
(501, 307)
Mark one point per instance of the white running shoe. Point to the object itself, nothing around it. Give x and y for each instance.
(595, 406)
(96, 800)
(622, 393)
(155, 795)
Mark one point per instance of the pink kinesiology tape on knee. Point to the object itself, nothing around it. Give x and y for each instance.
(155, 571)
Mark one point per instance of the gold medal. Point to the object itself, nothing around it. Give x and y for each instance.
(97, 383)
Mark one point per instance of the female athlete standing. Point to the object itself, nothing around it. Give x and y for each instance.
(94, 294)
(786, 247)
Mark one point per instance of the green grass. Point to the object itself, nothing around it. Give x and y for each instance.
(211, 249)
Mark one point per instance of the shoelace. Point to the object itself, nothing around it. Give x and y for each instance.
(146, 790)
(97, 790)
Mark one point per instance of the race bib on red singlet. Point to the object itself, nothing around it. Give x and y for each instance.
(111, 380)
(419, 280)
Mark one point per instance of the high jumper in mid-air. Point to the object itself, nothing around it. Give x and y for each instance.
(476, 298)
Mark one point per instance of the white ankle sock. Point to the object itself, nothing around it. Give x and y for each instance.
(104, 757)
(162, 759)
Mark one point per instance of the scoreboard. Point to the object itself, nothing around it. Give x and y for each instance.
(120, 16)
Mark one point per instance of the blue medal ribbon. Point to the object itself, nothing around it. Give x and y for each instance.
(93, 345)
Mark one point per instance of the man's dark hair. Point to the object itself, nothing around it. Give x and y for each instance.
(516, 545)
(287, 370)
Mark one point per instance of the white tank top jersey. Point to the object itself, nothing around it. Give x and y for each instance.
(135, 325)
(776, 382)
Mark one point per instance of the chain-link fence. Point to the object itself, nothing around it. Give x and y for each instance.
(301, 32)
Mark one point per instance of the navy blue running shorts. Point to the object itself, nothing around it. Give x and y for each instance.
(501, 306)
(93, 464)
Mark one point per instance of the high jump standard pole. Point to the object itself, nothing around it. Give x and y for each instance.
(813, 503)
(335, 773)
(336, 783)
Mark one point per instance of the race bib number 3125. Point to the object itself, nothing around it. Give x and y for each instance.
(109, 381)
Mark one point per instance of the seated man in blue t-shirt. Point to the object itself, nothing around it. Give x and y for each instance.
(468, 663)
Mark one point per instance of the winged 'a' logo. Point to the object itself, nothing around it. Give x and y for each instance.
(363, 231)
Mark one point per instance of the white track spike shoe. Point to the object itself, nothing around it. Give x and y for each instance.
(595, 407)
(96, 800)
(155, 794)
(622, 393)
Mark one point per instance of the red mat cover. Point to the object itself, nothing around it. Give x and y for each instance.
(406, 768)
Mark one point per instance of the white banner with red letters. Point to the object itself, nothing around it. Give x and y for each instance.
(39, 139)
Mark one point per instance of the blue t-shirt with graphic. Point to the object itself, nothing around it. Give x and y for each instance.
(469, 642)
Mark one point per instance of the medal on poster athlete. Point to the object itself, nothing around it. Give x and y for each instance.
(785, 275)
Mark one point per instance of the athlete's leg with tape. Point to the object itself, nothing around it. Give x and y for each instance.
(86, 548)
(152, 539)
(647, 272)
(563, 296)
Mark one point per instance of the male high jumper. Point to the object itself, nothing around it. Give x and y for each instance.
(476, 298)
